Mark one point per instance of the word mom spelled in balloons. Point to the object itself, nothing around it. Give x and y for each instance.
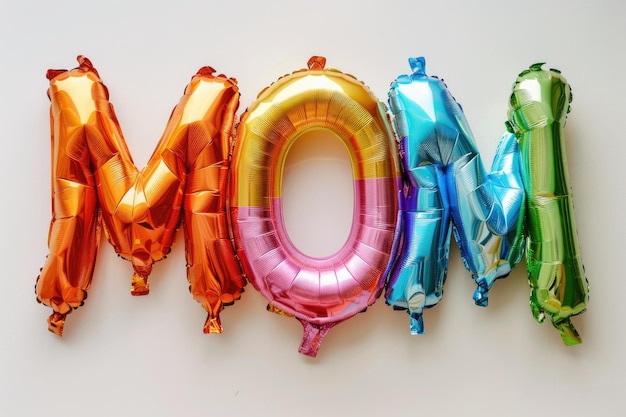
(418, 179)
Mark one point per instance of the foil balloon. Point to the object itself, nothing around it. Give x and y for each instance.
(320, 292)
(537, 114)
(446, 188)
(96, 187)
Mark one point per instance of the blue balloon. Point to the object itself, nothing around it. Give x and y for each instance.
(447, 189)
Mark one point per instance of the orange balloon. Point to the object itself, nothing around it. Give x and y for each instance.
(95, 185)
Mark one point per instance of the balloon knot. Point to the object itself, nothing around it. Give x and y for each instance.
(84, 63)
(206, 71)
(213, 325)
(56, 321)
(139, 285)
(316, 63)
(313, 336)
(418, 66)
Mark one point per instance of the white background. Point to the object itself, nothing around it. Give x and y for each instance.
(122, 355)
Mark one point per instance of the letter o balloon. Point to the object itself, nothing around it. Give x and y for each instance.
(319, 292)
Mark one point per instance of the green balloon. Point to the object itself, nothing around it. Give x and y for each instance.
(537, 113)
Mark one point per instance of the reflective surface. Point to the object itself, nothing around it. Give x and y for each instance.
(94, 179)
(446, 187)
(538, 109)
(320, 292)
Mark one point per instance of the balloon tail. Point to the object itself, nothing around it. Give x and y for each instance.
(313, 336)
(481, 295)
(568, 333)
(56, 321)
(417, 323)
(213, 325)
(139, 285)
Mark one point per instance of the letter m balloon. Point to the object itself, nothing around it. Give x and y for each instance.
(96, 187)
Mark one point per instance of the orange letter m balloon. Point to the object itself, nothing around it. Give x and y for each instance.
(96, 186)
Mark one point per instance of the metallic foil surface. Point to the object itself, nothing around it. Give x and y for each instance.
(320, 292)
(446, 187)
(96, 186)
(537, 114)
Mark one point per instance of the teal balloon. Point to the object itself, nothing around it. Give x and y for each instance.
(447, 191)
